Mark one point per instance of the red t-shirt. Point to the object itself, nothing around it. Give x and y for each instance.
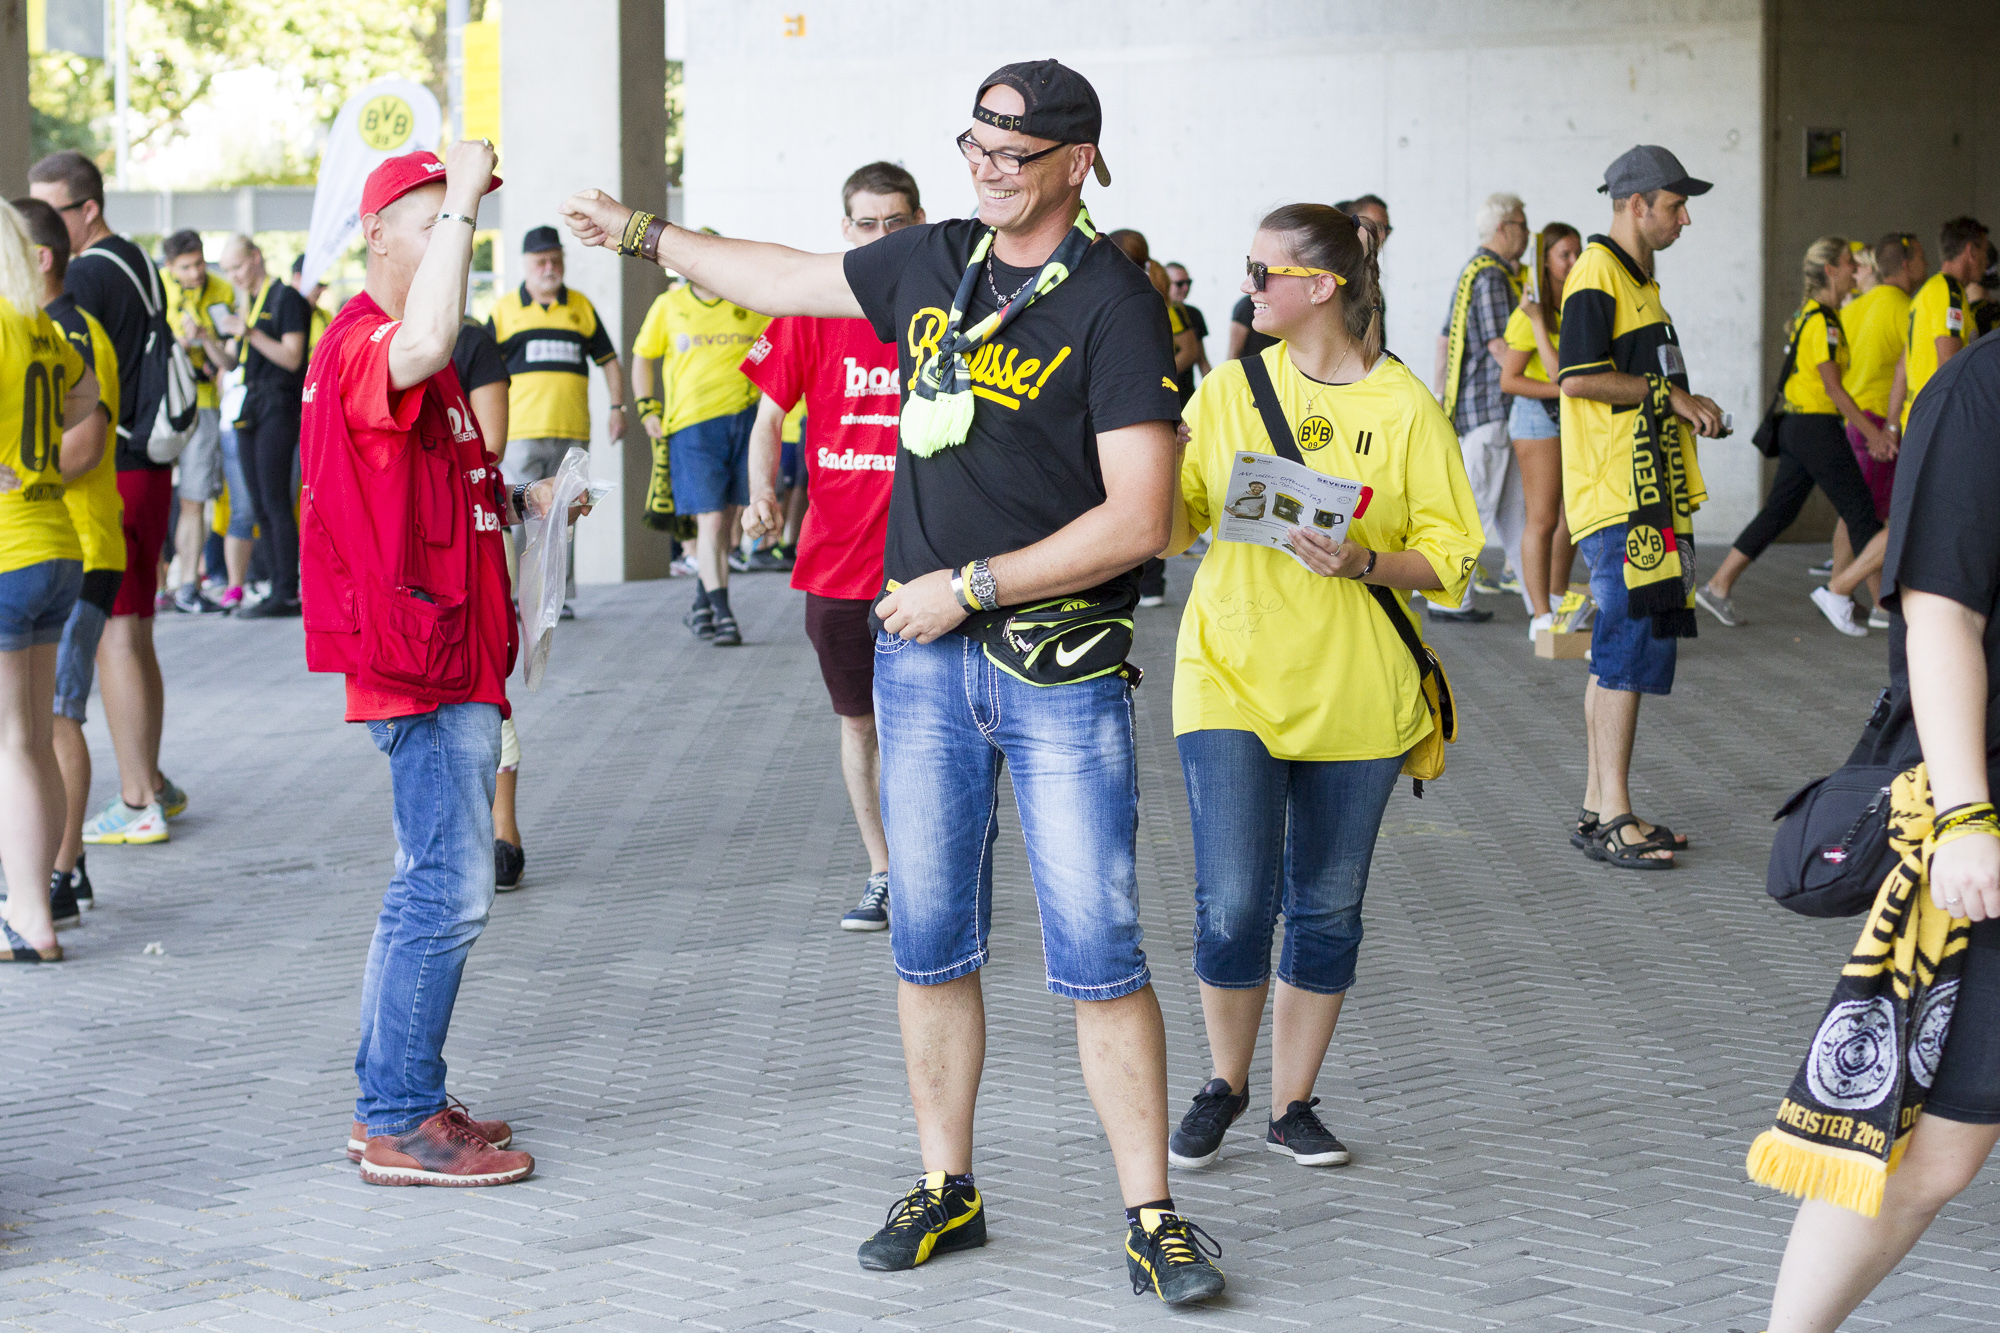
(382, 421)
(848, 378)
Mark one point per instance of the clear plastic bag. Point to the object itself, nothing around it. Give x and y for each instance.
(545, 562)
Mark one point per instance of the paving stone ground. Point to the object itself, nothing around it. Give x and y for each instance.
(1549, 1071)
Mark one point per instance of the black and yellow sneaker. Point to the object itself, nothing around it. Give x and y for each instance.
(931, 1219)
(1170, 1254)
(659, 511)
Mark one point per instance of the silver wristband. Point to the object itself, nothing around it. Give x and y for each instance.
(459, 217)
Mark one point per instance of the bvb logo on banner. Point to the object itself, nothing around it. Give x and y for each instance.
(1644, 547)
(386, 122)
(1315, 433)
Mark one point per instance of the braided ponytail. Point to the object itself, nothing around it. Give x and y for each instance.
(1324, 237)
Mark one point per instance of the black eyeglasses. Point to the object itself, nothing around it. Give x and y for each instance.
(1180, 282)
(70, 208)
(1008, 163)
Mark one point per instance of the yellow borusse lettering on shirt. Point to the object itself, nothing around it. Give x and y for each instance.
(549, 350)
(1311, 664)
(700, 346)
(1000, 374)
(38, 367)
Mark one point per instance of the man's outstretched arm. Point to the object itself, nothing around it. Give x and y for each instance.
(769, 279)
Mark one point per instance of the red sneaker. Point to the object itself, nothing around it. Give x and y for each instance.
(496, 1132)
(446, 1149)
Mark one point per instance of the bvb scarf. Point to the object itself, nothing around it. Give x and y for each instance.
(1843, 1124)
(1659, 532)
(1461, 321)
(938, 412)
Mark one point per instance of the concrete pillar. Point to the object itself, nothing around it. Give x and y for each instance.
(16, 147)
(582, 104)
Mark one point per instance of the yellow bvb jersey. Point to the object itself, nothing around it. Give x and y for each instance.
(1938, 310)
(38, 367)
(1874, 323)
(1820, 338)
(214, 291)
(700, 346)
(549, 350)
(95, 507)
(1311, 664)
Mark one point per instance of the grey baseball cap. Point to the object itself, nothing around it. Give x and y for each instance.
(1646, 167)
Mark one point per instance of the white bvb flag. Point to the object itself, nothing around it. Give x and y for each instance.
(387, 118)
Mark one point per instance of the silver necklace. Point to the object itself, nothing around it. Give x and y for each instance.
(1004, 301)
(1324, 385)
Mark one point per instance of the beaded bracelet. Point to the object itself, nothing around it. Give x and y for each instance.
(1987, 825)
(1970, 812)
(636, 228)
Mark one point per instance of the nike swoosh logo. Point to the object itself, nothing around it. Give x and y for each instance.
(1064, 658)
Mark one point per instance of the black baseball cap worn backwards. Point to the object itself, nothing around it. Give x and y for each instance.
(1060, 105)
(538, 239)
(1646, 167)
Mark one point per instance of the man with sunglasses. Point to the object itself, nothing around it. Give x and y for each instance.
(1037, 472)
(846, 377)
(1178, 286)
(1470, 348)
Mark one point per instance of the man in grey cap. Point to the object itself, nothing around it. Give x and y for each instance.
(1615, 334)
(1021, 337)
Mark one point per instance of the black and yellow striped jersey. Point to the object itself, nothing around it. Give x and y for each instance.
(1937, 310)
(549, 350)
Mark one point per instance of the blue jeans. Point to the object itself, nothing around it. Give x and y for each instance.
(242, 504)
(947, 719)
(711, 463)
(1624, 655)
(1274, 835)
(441, 769)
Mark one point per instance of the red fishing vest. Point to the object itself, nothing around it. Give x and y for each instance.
(394, 522)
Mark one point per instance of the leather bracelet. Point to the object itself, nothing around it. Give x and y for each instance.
(636, 228)
(1368, 568)
(649, 243)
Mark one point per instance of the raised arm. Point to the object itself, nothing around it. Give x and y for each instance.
(770, 279)
(423, 342)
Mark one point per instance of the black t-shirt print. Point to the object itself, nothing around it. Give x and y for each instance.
(284, 311)
(477, 359)
(1944, 517)
(1253, 341)
(1090, 356)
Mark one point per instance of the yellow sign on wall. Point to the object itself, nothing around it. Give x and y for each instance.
(481, 113)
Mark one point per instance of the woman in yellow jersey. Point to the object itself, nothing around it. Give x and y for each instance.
(1813, 449)
(45, 389)
(1532, 333)
(1295, 697)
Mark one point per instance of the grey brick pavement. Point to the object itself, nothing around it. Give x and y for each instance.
(1549, 1071)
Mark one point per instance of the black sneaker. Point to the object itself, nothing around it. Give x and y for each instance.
(771, 560)
(872, 912)
(271, 608)
(1199, 1139)
(1171, 1255)
(62, 901)
(508, 863)
(1300, 1135)
(1457, 616)
(739, 562)
(189, 601)
(79, 884)
(701, 620)
(725, 634)
(929, 1220)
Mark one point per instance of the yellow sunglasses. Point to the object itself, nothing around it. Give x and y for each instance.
(1261, 273)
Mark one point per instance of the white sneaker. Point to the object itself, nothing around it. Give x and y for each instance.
(1540, 623)
(1839, 612)
(121, 823)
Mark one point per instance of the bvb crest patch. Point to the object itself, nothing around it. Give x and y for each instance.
(1315, 433)
(1644, 547)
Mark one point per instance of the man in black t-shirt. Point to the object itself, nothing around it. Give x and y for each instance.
(1037, 471)
(1178, 286)
(1941, 584)
(270, 334)
(115, 282)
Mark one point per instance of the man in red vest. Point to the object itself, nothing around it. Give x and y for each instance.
(404, 582)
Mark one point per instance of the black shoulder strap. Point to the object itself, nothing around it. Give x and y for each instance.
(1265, 395)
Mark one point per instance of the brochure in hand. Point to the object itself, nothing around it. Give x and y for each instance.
(1269, 496)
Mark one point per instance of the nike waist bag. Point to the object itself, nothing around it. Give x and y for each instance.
(1061, 641)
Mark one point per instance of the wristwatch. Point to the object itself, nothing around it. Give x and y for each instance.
(521, 499)
(981, 584)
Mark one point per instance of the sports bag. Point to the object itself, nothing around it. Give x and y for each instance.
(167, 383)
(1832, 852)
(1425, 761)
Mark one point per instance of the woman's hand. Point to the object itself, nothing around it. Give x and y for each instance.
(1881, 444)
(1965, 877)
(1345, 561)
(1533, 310)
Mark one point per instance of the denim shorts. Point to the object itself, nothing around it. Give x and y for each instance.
(711, 463)
(76, 659)
(1530, 419)
(35, 601)
(1280, 835)
(948, 719)
(1624, 655)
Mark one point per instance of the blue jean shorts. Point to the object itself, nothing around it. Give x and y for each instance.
(1531, 419)
(711, 463)
(1276, 836)
(76, 658)
(947, 719)
(35, 602)
(1624, 655)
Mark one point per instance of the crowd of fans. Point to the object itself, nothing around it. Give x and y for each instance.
(964, 610)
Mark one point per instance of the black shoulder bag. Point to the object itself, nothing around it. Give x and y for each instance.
(1766, 436)
(1436, 687)
(1832, 852)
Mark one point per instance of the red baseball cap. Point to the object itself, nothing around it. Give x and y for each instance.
(397, 176)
